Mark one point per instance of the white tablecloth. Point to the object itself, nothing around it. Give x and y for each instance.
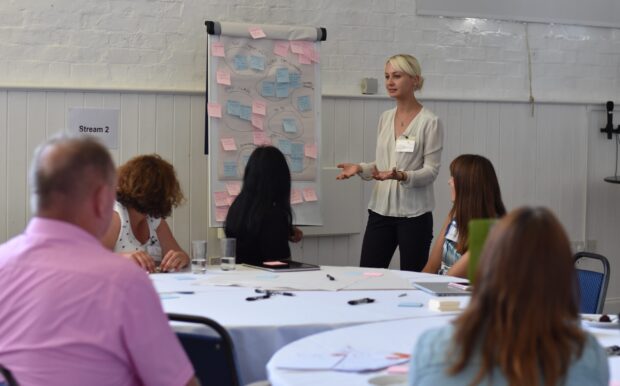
(391, 336)
(261, 327)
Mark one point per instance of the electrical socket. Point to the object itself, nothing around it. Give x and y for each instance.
(577, 246)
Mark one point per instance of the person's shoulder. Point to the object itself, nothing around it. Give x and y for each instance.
(592, 367)
(388, 113)
(428, 114)
(434, 341)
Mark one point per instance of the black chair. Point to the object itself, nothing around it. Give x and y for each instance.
(593, 275)
(213, 357)
(7, 377)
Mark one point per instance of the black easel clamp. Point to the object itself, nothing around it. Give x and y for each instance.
(609, 128)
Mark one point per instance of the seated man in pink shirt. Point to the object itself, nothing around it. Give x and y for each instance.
(73, 312)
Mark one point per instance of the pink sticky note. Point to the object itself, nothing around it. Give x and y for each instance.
(281, 48)
(256, 32)
(373, 274)
(311, 53)
(257, 121)
(259, 107)
(221, 199)
(400, 369)
(229, 144)
(259, 138)
(303, 59)
(310, 150)
(297, 47)
(223, 77)
(217, 49)
(296, 197)
(230, 200)
(214, 110)
(221, 213)
(233, 188)
(310, 194)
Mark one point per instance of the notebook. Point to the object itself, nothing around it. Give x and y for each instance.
(478, 232)
(440, 289)
(285, 266)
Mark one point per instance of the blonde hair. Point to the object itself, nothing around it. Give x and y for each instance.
(409, 65)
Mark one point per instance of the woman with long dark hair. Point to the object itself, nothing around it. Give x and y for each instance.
(475, 193)
(261, 218)
(522, 325)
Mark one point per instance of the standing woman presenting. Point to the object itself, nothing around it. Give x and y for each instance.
(409, 144)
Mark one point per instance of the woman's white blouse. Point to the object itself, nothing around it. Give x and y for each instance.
(414, 196)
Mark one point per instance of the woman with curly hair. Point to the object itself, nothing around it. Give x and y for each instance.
(147, 190)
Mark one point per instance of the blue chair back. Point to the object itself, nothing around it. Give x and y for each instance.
(213, 357)
(7, 378)
(593, 276)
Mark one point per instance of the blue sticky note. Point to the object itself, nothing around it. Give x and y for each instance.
(294, 79)
(297, 165)
(285, 146)
(268, 89)
(185, 278)
(289, 125)
(303, 103)
(240, 62)
(232, 107)
(230, 169)
(257, 63)
(297, 150)
(282, 90)
(166, 297)
(282, 75)
(411, 304)
(245, 112)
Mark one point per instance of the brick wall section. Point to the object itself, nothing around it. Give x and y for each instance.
(161, 44)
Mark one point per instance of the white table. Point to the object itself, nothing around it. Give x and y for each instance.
(261, 327)
(391, 336)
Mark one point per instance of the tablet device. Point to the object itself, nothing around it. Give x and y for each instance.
(440, 289)
(285, 266)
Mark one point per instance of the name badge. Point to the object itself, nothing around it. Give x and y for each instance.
(405, 145)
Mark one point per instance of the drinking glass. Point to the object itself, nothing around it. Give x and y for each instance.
(199, 256)
(228, 248)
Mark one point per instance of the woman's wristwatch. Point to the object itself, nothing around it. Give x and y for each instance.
(402, 176)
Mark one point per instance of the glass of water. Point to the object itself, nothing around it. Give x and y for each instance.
(199, 256)
(228, 248)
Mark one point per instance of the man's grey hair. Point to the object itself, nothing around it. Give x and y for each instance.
(66, 164)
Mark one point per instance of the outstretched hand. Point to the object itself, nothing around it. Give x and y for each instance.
(385, 175)
(297, 235)
(348, 170)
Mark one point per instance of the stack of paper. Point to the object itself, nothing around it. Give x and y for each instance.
(443, 305)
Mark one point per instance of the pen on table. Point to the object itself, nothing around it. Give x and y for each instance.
(402, 295)
(330, 277)
(177, 292)
(252, 298)
(262, 291)
(361, 301)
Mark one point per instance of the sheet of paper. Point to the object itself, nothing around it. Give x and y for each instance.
(310, 150)
(214, 110)
(257, 121)
(217, 49)
(233, 188)
(256, 32)
(229, 144)
(221, 199)
(296, 197)
(310, 194)
(259, 107)
(223, 77)
(280, 48)
(221, 213)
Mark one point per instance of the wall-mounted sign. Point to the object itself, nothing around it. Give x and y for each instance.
(101, 123)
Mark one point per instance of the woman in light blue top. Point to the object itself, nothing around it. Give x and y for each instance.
(474, 193)
(522, 325)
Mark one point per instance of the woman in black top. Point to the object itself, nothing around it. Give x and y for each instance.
(261, 218)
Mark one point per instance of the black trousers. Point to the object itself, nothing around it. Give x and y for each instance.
(412, 235)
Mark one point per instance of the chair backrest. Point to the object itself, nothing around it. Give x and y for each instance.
(213, 357)
(593, 275)
(6, 377)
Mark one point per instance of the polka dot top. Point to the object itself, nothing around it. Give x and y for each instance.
(126, 241)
